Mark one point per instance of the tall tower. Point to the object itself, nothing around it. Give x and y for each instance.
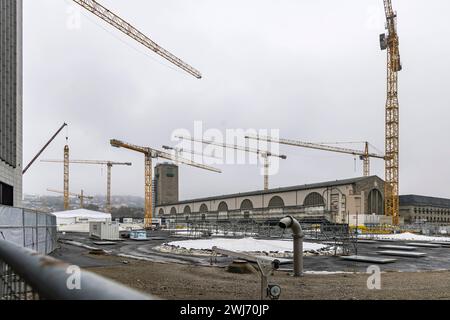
(166, 176)
(390, 42)
(11, 102)
(66, 177)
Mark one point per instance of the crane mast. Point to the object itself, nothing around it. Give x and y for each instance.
(390, 42)
(150, 153)
(120, 24)
(66, 177)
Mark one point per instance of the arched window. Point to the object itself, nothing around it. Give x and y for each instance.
(375, 202)
(173, 210)
(161, 211)
(222, 207)
(187, 210)
(276, 202)
(246, 205)
(314, 199)
(203, 208)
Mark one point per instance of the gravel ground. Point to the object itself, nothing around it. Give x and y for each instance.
(176, 281)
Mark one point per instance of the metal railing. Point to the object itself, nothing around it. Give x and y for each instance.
(27, 275)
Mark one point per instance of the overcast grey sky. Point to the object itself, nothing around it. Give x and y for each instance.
(312, 69)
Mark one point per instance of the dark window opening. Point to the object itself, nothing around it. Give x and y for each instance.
(6, 194)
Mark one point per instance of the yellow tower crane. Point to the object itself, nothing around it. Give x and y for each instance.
(120, 24)
(66, 176)
(149, 154)
(364, 155)
(80, 196)
(263, 153)
(109, 165)
(390, 42)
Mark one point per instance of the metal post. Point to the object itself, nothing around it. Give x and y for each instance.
(298, 235)
(298, 255)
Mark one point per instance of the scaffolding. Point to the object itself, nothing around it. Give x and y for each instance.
(340, 236)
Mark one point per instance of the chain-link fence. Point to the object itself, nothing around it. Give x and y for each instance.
(27, 228)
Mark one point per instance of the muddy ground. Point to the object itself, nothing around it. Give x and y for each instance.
(178, 281)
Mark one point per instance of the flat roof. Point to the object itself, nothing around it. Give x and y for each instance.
(274, 190)
(418, 200)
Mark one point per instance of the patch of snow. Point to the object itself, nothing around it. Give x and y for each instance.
(404, 236)
(245, 245)
(327, 272)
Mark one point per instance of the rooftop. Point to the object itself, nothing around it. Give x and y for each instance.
(413, 199)
(276, 190)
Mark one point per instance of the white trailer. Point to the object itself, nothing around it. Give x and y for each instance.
(104, 230)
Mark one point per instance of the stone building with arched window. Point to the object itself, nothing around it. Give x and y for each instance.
(338, 201)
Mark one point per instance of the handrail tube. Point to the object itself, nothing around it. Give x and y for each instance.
(48, 277)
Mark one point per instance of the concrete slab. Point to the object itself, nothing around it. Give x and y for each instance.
(402, 253)
(104, 243)
(394, 247)
(443, 243)
(425, 245)
(365, 241)
(369, 259)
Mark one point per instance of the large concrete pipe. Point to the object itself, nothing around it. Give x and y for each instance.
(298, 235)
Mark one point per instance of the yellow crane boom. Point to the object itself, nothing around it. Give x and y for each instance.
(263, 153)
(390, 42)
(149, 154)
(365, 155)
(109, 165)
(120, 24)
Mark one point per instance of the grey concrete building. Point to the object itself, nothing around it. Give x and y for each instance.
(419, 209)
(338, 201)
(11, 102)
(166, 183)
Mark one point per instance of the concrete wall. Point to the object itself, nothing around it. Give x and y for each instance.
(11, 38)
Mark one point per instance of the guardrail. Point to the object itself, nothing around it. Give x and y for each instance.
(27, 275)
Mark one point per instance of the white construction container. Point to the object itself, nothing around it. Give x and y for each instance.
(104, 230)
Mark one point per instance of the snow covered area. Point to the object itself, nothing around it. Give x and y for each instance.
(246, 245)
(405, 236)
(199, 233)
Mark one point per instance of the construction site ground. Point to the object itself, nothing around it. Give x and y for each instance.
(172, 276)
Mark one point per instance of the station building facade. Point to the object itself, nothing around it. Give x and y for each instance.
(337, 201)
